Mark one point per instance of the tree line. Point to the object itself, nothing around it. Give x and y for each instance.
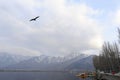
(109, 58)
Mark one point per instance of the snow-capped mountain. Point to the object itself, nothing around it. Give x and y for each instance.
(84, 64)
(9, 59)
(48, 63)
(46, 59)
(43, 62)
(51, 59)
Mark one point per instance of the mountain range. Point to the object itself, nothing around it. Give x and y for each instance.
(7, 59)
(70, 62)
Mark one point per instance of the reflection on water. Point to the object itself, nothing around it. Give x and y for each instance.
(37, 76)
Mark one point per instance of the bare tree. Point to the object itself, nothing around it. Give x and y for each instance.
(108, 59)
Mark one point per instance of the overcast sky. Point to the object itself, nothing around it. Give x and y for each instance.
(64, 26)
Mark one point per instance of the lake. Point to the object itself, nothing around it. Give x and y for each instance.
(37, 76)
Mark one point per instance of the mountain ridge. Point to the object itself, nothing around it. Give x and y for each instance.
(43, 62)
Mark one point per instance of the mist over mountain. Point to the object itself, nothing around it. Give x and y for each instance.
(70, 62)
(10, 59)
(85, 63)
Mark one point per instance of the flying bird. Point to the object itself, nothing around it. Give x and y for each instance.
(34, 19)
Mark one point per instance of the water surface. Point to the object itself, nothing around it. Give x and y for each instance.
(37, 76)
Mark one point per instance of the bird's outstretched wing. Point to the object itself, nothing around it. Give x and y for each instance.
(34, 19)
(37, 17)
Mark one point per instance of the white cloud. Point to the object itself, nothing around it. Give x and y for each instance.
(116, 17)
(62, 27)
(19, 50)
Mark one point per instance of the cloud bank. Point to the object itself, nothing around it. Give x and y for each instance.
(63, 27)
